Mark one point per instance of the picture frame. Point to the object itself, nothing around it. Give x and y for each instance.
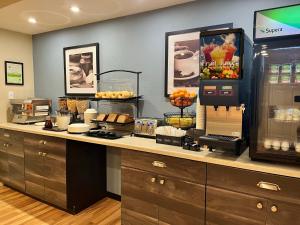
(14, 73)
(182, 58)
(81, 64)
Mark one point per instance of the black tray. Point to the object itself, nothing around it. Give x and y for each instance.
(104, 134)
(112, 123)
(55, 129)
(225, 143)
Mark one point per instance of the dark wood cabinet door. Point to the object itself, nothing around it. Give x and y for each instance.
(15, 155)
(180, 201)
(177, 200)
(34, 167)
(16, 172)
(280, 213)
(136, 212)
(231, 208)
(3, 158)
(45, 168)
(55, 171)
(168, 216)
(138, 184)
(15, 142)
(3, 166)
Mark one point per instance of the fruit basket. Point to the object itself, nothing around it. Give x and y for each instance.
(182, 102)
(182, 98)
(185, 120)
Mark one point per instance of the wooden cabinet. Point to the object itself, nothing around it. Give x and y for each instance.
(12, 159)
(67, 174)
(3, 159)
(167, 189)
(231, 208)
(236, 196)
(45, 168)
(282, 213)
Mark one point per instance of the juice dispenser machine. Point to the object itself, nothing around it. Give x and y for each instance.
(275, 128)
(225, 88)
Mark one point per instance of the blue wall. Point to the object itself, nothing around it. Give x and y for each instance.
(136, 43)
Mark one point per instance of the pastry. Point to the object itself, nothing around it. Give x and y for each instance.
(101, 117)
(124, 118)
(120, 94)
(112, 117)
(114, 95)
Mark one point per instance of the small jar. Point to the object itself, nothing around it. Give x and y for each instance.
(48, 123)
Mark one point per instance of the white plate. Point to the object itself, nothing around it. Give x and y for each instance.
(40, 124)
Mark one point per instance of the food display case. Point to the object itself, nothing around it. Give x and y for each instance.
(275, 127)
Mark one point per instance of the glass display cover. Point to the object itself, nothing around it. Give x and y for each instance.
(278, 109)
(220, 56)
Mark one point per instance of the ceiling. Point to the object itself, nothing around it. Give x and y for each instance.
(55, 14)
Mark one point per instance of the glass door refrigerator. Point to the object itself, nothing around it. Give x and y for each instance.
(275, 123)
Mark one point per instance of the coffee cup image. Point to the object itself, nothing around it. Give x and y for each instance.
(186, 62)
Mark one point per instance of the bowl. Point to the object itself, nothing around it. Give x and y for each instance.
(187, 120)
(78, 128)
(182, 101)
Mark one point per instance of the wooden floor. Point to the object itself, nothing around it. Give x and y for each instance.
(16, 208)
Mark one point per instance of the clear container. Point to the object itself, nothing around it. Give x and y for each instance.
(117, 85)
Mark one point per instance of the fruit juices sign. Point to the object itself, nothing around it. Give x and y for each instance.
(220, 56)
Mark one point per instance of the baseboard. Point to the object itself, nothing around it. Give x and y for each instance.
(114, 196)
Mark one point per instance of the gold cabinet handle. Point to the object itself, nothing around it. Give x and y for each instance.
(6, 135)
(44, 154)
(44, 142)
(5, 145)
(159, 164)
(259, 205)
(153, 179)
(274, 209)
(40, 153)
(162, 182)
(41, 142)
(268, 186)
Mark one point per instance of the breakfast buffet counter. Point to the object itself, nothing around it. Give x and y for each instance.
(149, 145)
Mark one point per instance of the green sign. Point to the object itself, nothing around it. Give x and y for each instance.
(278, 22)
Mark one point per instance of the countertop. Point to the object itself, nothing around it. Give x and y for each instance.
(149, 145)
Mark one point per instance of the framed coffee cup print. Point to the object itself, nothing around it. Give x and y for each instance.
(182, 58)
(14, 73)
(81, 66)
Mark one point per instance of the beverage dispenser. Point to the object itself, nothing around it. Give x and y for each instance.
(225, 88)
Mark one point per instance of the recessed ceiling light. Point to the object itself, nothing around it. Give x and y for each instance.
(75, 9)
(32, 20)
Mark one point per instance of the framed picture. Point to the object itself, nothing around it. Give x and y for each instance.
(182, 58)
(81, 64)
(14, 73)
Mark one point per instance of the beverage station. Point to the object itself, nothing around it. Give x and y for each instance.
(241, 103)
(227, 152)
